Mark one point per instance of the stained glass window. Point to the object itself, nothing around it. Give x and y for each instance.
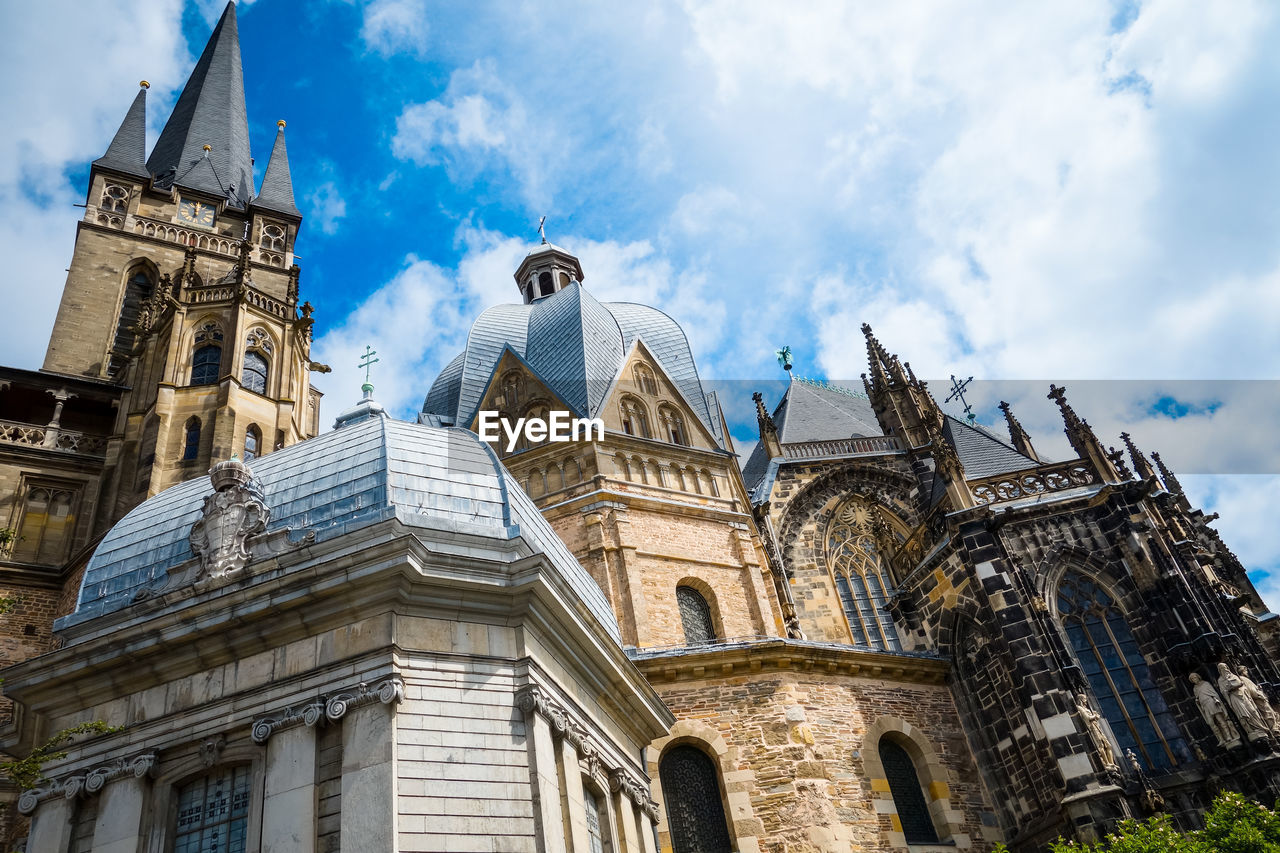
(191, 447)
(695, 814)
(213, 813)
(695, 615)
(861, 583)
(597, 822)
(252, 442)
(255, 372)
(205, 365)
(908, 796)
(1118, 674)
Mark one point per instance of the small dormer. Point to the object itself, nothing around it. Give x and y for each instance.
(546, 270)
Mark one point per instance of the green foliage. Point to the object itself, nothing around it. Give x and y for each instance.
(7, 537)
(27, 772)
(1232, 825)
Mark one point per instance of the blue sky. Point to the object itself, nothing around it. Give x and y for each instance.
(1079, 192)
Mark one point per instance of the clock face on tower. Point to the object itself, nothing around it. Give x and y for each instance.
(196, 213)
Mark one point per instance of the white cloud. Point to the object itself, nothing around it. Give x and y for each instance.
(211, 10)
(327, 206)
(394, 26)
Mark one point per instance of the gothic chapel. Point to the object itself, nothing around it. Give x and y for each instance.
(889, 630)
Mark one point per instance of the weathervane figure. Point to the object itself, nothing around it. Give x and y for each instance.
(542, 229)
(957, 393)
(784, 358)
(367, 361)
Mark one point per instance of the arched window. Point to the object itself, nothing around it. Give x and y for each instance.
(598, 834)
(1118, 673)
(908, 796)
(273, 236)
(695, 813)
(860, 580)
(695, 615)
(252, 442)
(254, 376)
(645, 381)
(191, 447)
(564, 279)
(213, 813)
(635, 421)
(206, 364)
(672, 425)
(115, 198)
(48, 522)
(546, 286)
(512, 387)
(137, 290)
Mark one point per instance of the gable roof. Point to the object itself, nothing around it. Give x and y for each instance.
(982, 452)
(812, 410)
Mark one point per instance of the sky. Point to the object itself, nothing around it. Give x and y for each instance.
(1074, 192)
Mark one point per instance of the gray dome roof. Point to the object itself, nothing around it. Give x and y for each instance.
(368, 471)
(575, 344)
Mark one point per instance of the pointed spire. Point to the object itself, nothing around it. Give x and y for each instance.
(1021, 440)
(128, 149)
(1082, 438)
(878, 358)
(1116, 457)
(1141, 466)
(768, 429)
(1171, 483)
(210, 112)
(277, 183)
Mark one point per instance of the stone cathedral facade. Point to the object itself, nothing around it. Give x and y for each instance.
(889, 630)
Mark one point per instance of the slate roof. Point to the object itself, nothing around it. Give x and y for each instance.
(210, 111)
(277, 183)
(366, 471)
(576, 346)
(128, 149)
(982, 452)
(818, 411)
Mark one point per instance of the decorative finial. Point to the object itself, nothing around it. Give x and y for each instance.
(785, 359)
(542, 229)
(367, 361)
(957, 393)
(144, 84)
(280, 124)
(207, 148)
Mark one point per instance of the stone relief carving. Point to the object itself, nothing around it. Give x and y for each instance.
(1242, 703)
(1260, 700)
(332, 707)
(211, 749)
(1213, 711)
(88, 783)
(233, 513)
(533, 700)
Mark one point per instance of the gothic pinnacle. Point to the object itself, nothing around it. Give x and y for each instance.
(1017, 435)
(1140, 464)
(1171, 483)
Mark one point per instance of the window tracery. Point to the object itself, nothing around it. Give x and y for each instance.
(252, 442)
(273, 236)
(137, 291)
(860, 578)
(1117, 673)
(908, 795)
(695, 615)
(115, 198)
(258, 347)
(695, 813)
(213, 813)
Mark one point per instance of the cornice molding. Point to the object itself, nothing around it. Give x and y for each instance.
(92, 782)
(331, 707)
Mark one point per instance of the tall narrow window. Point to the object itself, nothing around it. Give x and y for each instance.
(206, 364)
(597, 822)
(1118, 674)
(254, 376)
(695, 615)
(673, 425)
(136, 291)
(908, 796)
(213, 813)
(191, 446)
(252, 443)
(48, 522)
(546, 286)
(634, 419)
(645, 381)
(695, 813)
(860, 579)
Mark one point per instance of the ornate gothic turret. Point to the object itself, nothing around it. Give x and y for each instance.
(1082, 438)
(1141, 466)
(1021, 440)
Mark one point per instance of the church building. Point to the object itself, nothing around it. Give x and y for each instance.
(888, 630)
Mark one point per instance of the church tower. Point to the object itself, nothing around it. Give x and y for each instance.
(183, 289)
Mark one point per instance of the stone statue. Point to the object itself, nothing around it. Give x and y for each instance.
(1232, 688)
(1213, 711)
(1260, 700)
(1093, 722)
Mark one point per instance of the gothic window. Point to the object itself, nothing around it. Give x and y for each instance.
(695, 615)
(191, 446)
(695, 814)
(597, 822)
(213, 813)
(1117, 673)
(254, 376)
(635, 421)
(861, 582)
(115, 198)
(546, 286)
(673, 425)
(645, 381)
(512, 386)
(47, 525)
(252, 442)
(908, 796)
(137, 290)
(273, 237)
(209, 332)
(206, 364)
